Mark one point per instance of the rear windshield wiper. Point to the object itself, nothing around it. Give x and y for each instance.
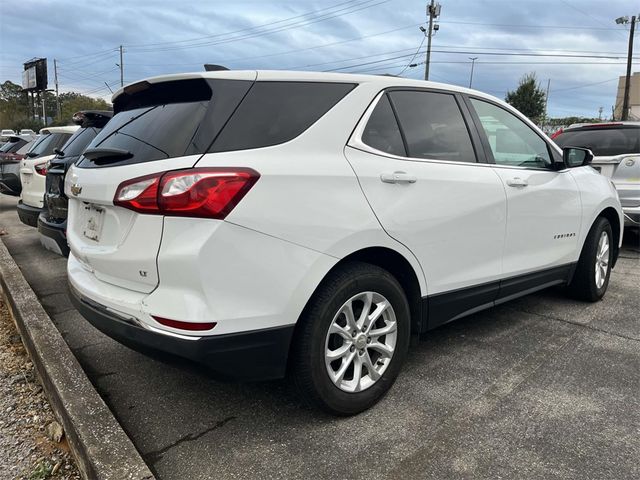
(30, 154)
(107, 154)
(58, 152)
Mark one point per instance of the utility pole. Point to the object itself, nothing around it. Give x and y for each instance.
(546, 102)
(121, 69)
(473, 61)
(433, 10)
(627, 82)
(55, 75)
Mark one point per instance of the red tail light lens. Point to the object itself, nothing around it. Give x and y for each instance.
(190, 326)
(41, 169)
(195, 192)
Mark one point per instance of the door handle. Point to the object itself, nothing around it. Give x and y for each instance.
(398, 177)
(517, 182)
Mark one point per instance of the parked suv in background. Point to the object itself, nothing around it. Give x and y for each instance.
(616, 150)
(310, 223)
(11, 153)
(52, 221)
(33, 170)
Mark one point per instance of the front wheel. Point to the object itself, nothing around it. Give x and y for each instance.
(591, 277)
(352, 339)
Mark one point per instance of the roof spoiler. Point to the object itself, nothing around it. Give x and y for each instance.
(92, 118)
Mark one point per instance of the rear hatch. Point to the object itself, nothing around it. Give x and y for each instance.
(611, 144)
(157, 127)
(55, 201)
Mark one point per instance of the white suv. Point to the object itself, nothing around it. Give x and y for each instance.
(265, 223)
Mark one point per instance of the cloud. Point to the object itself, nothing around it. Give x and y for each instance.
(84, 36)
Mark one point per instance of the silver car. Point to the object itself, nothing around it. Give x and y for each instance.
(616, 150)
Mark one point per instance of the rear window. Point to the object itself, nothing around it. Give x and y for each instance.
(12, 146)
(49, 143)
(602, 141)
(276, 112)
(79, 141)
(186, 121)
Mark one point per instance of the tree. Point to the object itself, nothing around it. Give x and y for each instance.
(72, 102)
(14, 105)
(529, 98)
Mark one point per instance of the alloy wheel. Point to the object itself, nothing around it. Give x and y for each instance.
(360, 342)
(602, 260)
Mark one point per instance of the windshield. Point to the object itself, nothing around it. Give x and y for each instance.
(603, 141)
(79, 141)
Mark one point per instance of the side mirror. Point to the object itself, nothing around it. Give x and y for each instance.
(576, 156)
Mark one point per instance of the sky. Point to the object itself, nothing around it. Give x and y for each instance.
(573, 44)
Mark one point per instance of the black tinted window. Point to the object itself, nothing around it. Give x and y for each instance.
(79, 141)
(166, 120)
(433, 126)
(13, 146)
(603, 141)
(276, 112)
(151, 133)
(49, 143)
(382, 131)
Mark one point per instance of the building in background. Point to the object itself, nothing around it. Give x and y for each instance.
(634, 97)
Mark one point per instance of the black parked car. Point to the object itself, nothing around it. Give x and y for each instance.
(52, 222)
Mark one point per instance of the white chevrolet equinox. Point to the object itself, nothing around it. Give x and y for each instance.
(309, 224)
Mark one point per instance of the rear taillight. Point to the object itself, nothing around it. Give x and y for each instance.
(41, 169)
(556, 133)
(195, 192)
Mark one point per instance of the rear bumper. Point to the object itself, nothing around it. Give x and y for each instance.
(252, 355)
(54, 235)
(28, 214)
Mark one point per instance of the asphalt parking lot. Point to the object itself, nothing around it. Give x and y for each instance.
(543, 387)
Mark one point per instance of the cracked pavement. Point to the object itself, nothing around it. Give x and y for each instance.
(541, 387)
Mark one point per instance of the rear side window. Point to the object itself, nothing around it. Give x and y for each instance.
(79, 141)
(433, 126)
(382, 131)
(276, 112)
(603, 141)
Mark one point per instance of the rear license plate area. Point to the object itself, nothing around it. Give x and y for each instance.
(94, 218)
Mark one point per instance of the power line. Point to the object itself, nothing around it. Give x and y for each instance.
(414, 56)
(245, 29)
(304, 23)
(522, 25)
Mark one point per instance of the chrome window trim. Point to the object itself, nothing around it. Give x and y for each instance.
(356, 142)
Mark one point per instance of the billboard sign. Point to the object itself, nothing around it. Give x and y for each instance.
(34, 76)
(29, 79)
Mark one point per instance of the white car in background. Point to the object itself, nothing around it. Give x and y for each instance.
(33, 171)
(271, 223)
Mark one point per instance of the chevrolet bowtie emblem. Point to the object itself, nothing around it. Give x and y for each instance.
(76, 189)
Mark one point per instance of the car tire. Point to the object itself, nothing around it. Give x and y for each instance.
(316, 342)
(591, 277)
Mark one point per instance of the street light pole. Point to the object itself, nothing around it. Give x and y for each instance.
(473, 62)
(433, 10)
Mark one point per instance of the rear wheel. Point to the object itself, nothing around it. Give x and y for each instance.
(591, 278)
(351, 340)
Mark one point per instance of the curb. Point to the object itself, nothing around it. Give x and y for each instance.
(100, 446)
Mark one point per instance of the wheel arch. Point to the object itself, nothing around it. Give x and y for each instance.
(396, 264)
(612, 216)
